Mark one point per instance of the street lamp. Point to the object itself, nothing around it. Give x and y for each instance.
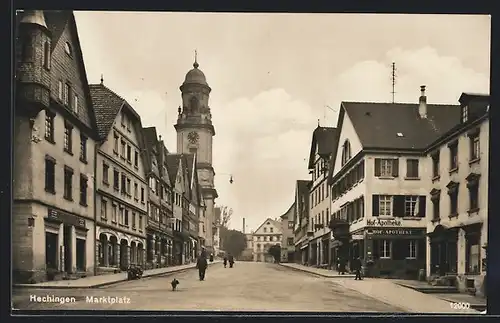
(230, 177)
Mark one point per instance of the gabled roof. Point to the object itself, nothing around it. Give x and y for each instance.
(56, 21)
(303, 187)
(378, 124)
(151, 138)
(173, 161)
(285, 215)
(325, 138)
(275, 223)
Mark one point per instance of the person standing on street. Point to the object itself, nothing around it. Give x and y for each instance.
(356, 266)
(202, 265)
(225, 261)
(231, 261)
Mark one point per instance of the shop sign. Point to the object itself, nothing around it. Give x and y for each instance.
(396, 232)
(358, 237)
(384, 223)
(66, 218)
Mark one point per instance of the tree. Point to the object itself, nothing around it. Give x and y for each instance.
(234, 242)
(275, 251)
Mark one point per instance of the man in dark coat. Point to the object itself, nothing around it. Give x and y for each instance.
(202, 265)
(225, 261)
(356, 266)
(231, 261)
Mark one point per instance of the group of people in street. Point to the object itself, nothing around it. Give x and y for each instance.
(202, 262)
(356, 266)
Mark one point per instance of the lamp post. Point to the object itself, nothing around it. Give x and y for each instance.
(231, 177)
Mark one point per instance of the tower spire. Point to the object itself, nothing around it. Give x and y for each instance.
(195, 64)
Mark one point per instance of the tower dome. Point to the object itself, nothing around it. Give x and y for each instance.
(195, 75)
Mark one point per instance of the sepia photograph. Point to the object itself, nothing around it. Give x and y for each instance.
(250, 162)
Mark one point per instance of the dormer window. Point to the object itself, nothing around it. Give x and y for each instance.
(465, 113)
(67, 49)
(346, 152)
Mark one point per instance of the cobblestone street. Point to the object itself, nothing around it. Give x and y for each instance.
(246, 287)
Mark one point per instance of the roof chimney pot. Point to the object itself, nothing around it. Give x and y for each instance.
(422, 107)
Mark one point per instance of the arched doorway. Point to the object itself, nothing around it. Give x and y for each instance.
(133, 253)
(123, 254)
(103, 250)
(140, 254)
(112, 251)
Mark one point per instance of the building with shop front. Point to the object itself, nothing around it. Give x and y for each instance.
(159, 229)
(323, 146)
(301, 221)
(54, 151)
(457, 223)
(380, 180)
(288, 245)
(266, 235)
(121, 186)
(195, 133)
(193, 200)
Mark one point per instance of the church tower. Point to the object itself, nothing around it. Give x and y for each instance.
(195, 134)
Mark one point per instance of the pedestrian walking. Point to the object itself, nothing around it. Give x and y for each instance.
(202, 265)
(231, 261)
(341, 266)
(356, 266)
(225, 261)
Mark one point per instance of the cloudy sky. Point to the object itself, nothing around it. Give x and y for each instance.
(272, 76)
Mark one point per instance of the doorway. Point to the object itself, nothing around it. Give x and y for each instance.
(80, 254)
(67, 248)
(51, 250)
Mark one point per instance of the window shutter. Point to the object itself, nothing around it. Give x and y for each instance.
(375, 207)
(377, 167)
(395, 167)
(422, 206)
(398, 205)
(421, 249)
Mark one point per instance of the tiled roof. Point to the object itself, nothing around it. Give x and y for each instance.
(151, 138)
(56, 21)
(107, 104)
(173, 166)
(325, 138)
(284, 215)
(378, 124)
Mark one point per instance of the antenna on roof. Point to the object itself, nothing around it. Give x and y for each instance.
(393, 81)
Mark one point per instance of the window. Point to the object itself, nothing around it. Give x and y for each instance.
(46, 55)
(129, 154)
(385, 251)
(265, 229)
(75, 104)
(83, 148)
(104, 209)
(385, 205)
(412, 168)
(133, 220)
(68, 183)
(129, 188)
(115, 147)
(121, 220)
(473, 196)
(83, 190)
(386, 167)
(435, 165)
(60, 90)
(123, 187)
(67, 49)
(473, 253)
(123, 149)
(126, 217)
(67, 91)
(346, 152)
(271, 230)
(474, 147)
(454, 202)
(136, 159)
(411, 205)
(68, 131)
(290, 225)
(105, 173)
(142, 194)
(116, 179)
(435, 198)
(136, 191)
(453, 156)
(114, 214)
(412, 252)
(465, 113)
(50, 174)
(49, 126)
(140, 222)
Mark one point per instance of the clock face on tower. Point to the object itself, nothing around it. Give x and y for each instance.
(193, 137)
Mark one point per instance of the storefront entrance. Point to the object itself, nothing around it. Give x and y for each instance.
(67, 248)
(80, 254)
(443, 248)
(51, 250)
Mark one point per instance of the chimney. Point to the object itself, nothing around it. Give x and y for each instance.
(243, 225)
(422, 107)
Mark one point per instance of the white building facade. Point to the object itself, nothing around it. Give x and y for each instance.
(268, 234)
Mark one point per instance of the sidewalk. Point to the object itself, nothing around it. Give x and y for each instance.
(104, 280)
(317, 271)
(384, 290)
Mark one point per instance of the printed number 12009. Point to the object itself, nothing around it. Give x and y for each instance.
(460, 306)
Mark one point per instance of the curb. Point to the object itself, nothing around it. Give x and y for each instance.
(317, 274)
(106, 283)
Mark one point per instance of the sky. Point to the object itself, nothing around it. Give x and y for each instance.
(274, 77)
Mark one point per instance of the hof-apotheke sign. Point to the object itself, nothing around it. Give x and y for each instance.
(384, 223)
